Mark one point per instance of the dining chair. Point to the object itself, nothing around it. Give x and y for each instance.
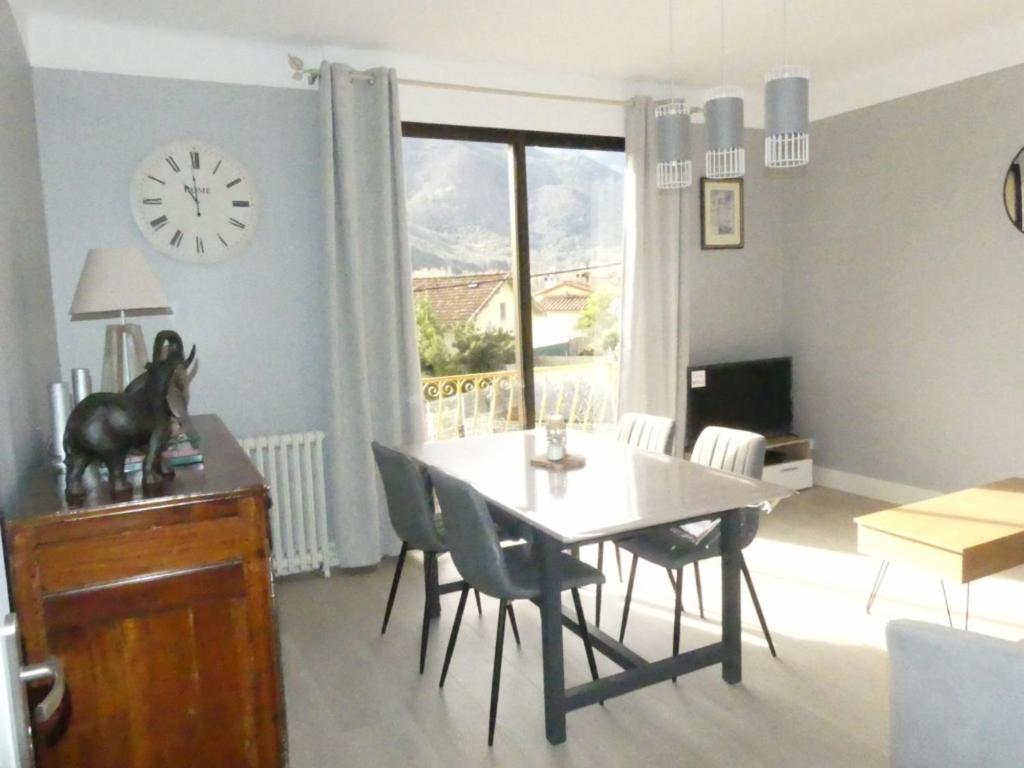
(506, 573)
(410, 503)
(675, 547)
(648, 433)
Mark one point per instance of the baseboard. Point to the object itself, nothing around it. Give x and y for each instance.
(873, 488)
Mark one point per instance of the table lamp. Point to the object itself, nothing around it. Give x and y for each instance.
(118, 281)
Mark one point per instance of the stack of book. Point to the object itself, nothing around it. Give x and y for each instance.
(179, 453)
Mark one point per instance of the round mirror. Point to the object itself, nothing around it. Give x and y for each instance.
(1012, 192)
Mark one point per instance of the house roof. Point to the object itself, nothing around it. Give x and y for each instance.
(568, 303)
(458, 298)
(565, 285)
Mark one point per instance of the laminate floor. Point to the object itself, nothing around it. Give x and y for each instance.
(355, 698)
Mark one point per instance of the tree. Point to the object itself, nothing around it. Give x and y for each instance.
(479, 351)
(435, 359)
(600, 323)
(471, 350)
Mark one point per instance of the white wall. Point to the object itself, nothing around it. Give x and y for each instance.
(257, 318)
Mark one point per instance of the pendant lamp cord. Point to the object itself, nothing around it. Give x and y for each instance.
(671, 50)
(721, 37)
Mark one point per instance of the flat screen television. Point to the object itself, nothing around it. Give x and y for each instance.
(753, 395)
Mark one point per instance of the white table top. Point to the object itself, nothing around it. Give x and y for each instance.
(621, 489)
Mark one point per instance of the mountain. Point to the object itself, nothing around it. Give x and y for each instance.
(459, 210)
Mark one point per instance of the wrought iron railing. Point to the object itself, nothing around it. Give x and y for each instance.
(585, 394)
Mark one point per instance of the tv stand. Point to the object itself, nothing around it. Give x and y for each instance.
(788, 462)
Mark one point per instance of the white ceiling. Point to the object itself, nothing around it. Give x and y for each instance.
(891, 46)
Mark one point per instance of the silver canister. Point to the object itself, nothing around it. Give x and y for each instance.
(81, 384)
(60, 407)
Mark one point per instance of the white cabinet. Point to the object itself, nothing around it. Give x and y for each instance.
(788, 462)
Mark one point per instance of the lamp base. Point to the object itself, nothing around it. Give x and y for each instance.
(124, 356)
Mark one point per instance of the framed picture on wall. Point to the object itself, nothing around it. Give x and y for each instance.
(721, 213)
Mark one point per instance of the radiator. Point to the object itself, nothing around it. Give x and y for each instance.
(293, 467)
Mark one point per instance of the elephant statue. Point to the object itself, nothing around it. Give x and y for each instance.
(105, 426)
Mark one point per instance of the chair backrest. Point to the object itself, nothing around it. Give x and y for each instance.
(739, 452)
(647, 432)
(731, 450)
(473, 538)
(410, 498)
(955, 697)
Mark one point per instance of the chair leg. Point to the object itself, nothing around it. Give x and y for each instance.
(512, 621)
(394, 586)
(496, 674)
(618, 560)
(429, 564)
(757, 605)
(678, 614)
(629, 598)
(479, 608)
(597, 599)
(882, 570)
(455, 634)
(584, 633)
(700, 594)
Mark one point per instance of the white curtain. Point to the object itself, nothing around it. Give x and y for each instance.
(375, 380)
(655, 306)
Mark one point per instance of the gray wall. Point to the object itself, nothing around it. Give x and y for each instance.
(28, 349)
(904, 288)
(258, 318)
(736, 295)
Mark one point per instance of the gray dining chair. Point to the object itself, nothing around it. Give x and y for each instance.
(673, 548)
(410, 503)
(506, 573)
(648, 433)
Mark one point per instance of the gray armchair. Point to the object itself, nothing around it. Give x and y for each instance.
(956, 698)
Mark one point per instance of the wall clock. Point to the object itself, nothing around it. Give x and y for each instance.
(193, 201)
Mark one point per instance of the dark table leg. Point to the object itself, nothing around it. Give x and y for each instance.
(551, 637)
(732, 663)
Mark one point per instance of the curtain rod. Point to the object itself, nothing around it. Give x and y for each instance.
(312, 75)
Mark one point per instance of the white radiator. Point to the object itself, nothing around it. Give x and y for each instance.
(293, 467)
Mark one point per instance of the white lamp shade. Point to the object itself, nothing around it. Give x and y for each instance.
(117, 280)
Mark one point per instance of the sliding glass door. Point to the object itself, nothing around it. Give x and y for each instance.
(516, 242)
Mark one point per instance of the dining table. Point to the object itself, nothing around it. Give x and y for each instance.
(619, 492)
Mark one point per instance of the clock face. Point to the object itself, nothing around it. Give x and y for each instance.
(193, 201)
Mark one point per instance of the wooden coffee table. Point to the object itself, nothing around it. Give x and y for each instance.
(960, 537)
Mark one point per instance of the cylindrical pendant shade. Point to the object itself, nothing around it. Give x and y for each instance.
(725, 157)
(674, 169)
(787, 142)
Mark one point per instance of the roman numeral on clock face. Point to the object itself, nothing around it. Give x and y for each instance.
(195, 159)
(232, 183)
(199, 245)
(173, 163)
(152, 201)
(176, 240)
(158, 223)
(237, 223)
(240, 203)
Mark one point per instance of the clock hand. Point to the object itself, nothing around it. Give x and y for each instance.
(195, 194)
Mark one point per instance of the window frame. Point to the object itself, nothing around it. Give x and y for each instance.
(517, 142)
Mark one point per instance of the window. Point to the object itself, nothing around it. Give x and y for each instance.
(531, 221)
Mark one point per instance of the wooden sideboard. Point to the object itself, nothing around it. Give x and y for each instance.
(161, 610)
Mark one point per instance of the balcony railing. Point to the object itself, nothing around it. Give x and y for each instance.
(483, 403)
